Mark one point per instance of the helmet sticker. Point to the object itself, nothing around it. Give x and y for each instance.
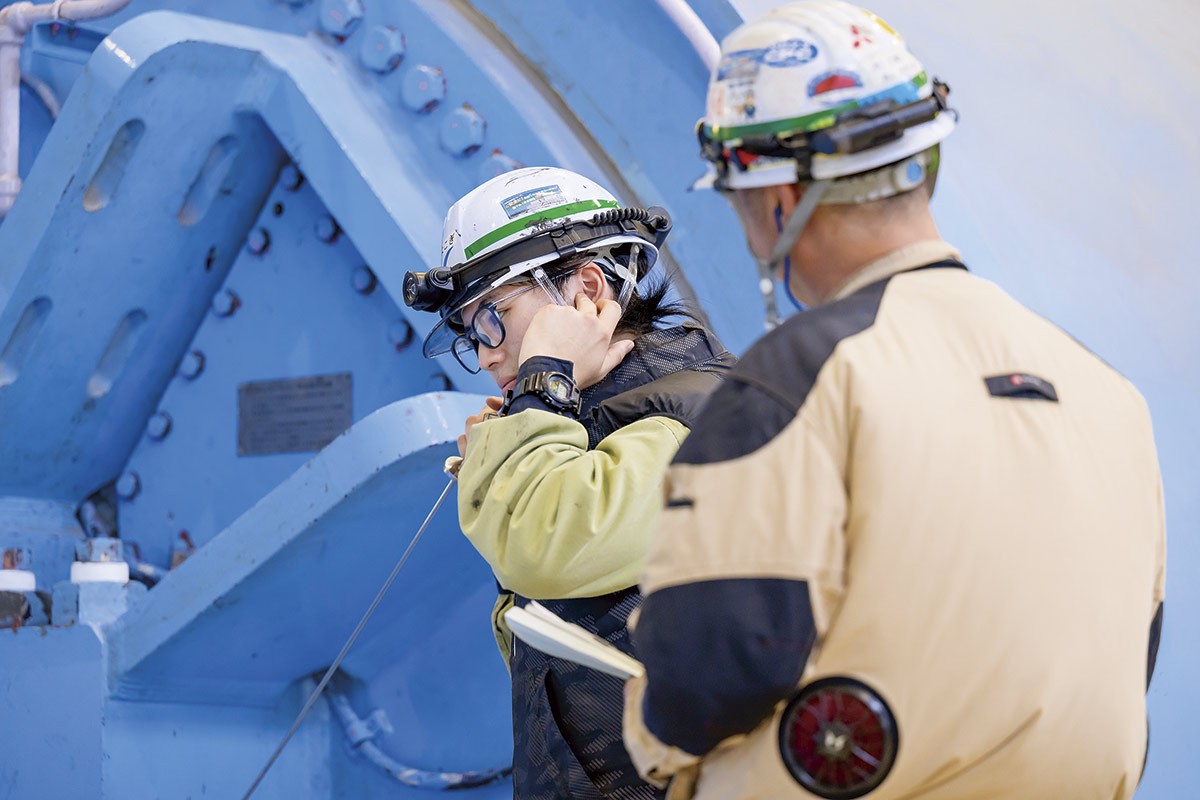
(739, 98)
(861, 37)
(533, 200)
(747, 107)
(879, 21)
(741, 65)
(789, 53)
(832, 81)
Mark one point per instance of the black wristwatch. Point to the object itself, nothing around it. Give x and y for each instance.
(555, 389)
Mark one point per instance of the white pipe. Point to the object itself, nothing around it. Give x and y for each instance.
(21, 17)
(360, 733)
(10, 116)
(694, 29)
(15, 21)
(44, 93)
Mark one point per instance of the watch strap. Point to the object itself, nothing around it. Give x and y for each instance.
(533, 387)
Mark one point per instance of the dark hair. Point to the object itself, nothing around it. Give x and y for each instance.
(649, 307)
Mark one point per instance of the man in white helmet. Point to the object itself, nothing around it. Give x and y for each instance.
(542, 285)
(915, 547)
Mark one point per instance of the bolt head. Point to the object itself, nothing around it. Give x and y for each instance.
(16, 558)
(497, 164)
(463, 131)
(225, 302)
(364, 280)
(258, 241)
(327, 228)
(382, 49)
(158, 426)
(192, 365)
(423, 88)
(100, 550)
(400, 334)
(291, 178)
(128, 485)
(339, 18)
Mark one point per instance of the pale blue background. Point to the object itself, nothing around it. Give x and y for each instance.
(1072, 182)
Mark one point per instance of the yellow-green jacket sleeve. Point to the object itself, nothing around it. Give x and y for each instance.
(554, 519)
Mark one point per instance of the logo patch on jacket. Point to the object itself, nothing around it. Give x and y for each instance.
(1021, 385)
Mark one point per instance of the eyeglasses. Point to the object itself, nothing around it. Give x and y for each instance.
(486, 328)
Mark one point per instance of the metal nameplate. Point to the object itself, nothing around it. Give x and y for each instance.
(293, 415)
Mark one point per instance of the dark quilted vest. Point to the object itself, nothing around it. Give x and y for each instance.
(567, 718)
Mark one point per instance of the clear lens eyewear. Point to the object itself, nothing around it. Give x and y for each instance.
(466, 354)
(486, 328)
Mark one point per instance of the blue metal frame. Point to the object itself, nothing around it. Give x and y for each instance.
(270, 245)
(277, 154)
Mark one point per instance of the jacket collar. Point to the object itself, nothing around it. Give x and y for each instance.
(906, 258)
(656, 354)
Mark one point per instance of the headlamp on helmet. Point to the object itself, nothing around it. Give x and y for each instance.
(534, 221)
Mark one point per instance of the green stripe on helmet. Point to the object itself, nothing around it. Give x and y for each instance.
(806, 124)
(516, 225)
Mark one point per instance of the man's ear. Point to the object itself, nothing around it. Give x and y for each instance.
(594, 283)
(786, 197)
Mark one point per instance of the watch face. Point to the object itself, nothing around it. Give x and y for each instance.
(558, 386)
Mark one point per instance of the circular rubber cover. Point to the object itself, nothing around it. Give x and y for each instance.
(838, 738)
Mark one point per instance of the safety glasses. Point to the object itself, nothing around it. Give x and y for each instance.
(486, 328)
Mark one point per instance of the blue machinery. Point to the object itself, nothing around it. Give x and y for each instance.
(203, 352)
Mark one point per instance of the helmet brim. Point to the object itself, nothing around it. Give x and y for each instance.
(771, 172)
(779, 171)
(705, 182)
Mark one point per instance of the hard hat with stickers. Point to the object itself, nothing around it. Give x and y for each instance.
(819, 90)
(531, 224)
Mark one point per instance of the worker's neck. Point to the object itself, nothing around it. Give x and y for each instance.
(842, 243)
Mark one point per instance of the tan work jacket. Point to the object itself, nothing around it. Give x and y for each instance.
(925, 487)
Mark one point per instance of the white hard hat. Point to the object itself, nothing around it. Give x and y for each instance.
(521, 220)
(817, 90)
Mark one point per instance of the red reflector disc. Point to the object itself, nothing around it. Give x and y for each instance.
(838, 738)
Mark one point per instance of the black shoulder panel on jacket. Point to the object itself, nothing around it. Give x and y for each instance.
(720, 654)
(765, 391)
(1155, 635)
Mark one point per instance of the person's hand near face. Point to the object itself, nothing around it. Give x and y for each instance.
(536, 326)
(581, 334)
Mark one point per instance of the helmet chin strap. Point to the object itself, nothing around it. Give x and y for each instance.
(626, 274)
(788, 235)
(787, 264)
(542, 279)
(629, 274)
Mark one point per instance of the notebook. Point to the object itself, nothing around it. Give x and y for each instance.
(543, 629)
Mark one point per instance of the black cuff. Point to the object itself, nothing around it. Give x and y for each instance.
(540, 364)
